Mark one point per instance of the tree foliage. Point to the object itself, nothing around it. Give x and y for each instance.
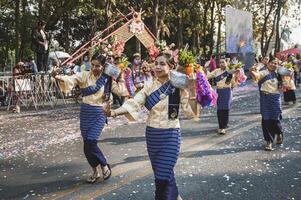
(198, 23)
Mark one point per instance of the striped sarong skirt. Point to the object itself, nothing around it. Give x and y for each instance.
(163, 146)
(270, 106)
(224, 98)
(92, 121)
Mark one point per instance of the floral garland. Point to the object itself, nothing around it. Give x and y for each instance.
(129, 82)
(206, 96)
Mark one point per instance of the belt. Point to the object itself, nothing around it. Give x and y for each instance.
(268, 93)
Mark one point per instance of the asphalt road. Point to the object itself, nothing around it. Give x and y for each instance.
(41, 156)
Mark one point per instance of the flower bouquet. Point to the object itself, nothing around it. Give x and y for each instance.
(286, 70)
(122, 63)
(234, 65)
(187, 60)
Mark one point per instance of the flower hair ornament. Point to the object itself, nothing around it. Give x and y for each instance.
(160, 47)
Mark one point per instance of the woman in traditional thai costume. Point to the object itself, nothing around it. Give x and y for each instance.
(200, 92)
(225, 81)
(288, 84)
(96, 88)
(163, 136)
(270, 104)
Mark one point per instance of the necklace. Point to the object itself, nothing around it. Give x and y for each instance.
(163, 95)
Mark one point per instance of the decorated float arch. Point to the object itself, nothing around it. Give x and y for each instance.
(123, 29)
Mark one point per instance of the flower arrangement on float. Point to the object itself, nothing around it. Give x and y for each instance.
(113, 47)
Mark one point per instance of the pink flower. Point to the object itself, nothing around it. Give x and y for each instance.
(153, 52)
(175, 55)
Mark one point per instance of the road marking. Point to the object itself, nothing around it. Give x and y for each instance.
(188, 147)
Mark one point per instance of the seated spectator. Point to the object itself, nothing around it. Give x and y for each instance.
(19, 69)
(71, 69)
(32, 65)
(54, 64)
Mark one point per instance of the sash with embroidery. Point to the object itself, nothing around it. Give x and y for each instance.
(95, 88)
(154, 97)
(174, 104)
(266, 78)
(221, 76)
(173, 99)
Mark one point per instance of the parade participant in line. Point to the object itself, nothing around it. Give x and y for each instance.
(270, 104)
(225, 82)
(139, 73)
(288, 84)
(264, 63)
(95, 88)
(86, 64)
(163, 134)
(200, 92)
(123, 64)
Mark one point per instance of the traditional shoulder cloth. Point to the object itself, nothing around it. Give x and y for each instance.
(173, 99)
(221, 76)
(266, 78)
(104, 80)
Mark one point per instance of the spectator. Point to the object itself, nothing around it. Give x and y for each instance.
(32, 65)
(19, 69)
(72, 69)
(86, 65)
(40, 45)
(54, 64)
(212, 64)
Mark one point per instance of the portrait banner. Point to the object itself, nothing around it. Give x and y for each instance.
(239, 31)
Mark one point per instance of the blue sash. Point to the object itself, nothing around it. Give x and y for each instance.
(95, 88)
(263, 68)
(221, 76)
(154, 97)
(266, 78)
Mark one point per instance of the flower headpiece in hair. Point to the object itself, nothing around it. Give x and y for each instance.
(161, 47)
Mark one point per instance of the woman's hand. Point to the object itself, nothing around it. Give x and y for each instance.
(55, 72)
(107, 108)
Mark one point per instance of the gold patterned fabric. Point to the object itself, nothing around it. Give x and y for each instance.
(85, 79)
(158, 115)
